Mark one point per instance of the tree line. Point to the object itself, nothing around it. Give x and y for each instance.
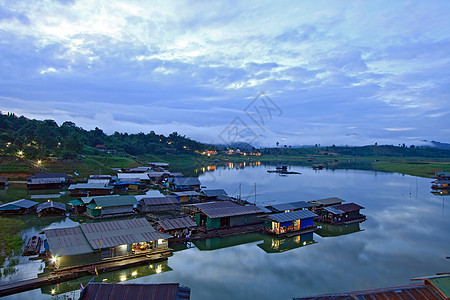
(39, 139)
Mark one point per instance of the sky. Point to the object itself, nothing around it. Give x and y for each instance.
(293, 72)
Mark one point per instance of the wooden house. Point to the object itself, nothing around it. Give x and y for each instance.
(442, 175)
(51, 208)
(135, 291)
(157, 204)
(112, 206)
(440, 184)
(187, 196)
(342, 214)
(90, 189)
(290, 223)
(288, 207)
(41, 181)
(179, 184)
(93, 242)
(159, 166)
(141, 177)
(130, 184)
(212, 194)
(177, 227)
(321, 203)
(19, 207)
(221, 214)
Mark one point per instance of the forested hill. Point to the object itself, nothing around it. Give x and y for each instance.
(45, 138)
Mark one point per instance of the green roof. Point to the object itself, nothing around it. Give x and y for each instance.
(115, 201)
(440, 282)
(76, 202)
(91, 206)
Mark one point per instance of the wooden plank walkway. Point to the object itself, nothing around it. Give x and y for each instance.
(70, 273)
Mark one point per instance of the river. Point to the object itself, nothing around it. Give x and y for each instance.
(405, 236)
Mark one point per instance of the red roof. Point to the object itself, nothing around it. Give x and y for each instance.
(348, 207)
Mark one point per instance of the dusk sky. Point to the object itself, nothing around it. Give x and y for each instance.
(331, 72)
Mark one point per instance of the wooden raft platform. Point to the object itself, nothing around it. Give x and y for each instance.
(67, 274)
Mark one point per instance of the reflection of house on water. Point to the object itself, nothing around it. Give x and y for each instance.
(329, 230)
(225, 242)
(109, 277)
(273, 244)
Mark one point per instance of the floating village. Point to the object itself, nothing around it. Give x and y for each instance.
(138, 217)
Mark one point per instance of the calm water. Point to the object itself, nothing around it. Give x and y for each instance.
(406, 235)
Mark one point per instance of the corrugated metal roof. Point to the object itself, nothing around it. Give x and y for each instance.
(87, 200)
(291, 216)
(348, 207)
(410, 292)
(334, 210)
(87, 186)
(159, 200)
(186, 193)
(291, 205)
(177, 223)
(107, 291)
(185, 181)
(51, 175)
(50, 204)
(327, 201)
(439, 282)
(214, 204)
(45, 180)
(214, 193)
(140, 176)
(157, 174)
(67, 241)
(105, 182)
(115, 233)
(76, 202)
(230, 211)
(24, 203)
(115, 201)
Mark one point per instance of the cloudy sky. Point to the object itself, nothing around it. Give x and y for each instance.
(296, 72)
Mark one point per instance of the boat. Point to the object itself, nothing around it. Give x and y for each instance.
(33, 246)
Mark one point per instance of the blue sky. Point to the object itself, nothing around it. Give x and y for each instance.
(331, 72)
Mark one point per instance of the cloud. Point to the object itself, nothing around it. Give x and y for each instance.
(333, 62)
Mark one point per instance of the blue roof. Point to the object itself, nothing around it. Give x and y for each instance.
(291, 216)
(23, 203)
(290, 206)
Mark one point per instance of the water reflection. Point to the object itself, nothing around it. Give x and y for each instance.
(274, 244)
(328, 230)
(110, 277)
(225, 242)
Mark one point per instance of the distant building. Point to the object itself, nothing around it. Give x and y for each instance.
(211, 195)
(157, 204)
(90, 189)
(179, 184)
(48, 181)
(294, 222)
(291, 206)
(187, 196)
(342, 214)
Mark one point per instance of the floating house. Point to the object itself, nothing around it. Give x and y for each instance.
(211, 195)
(105, 207)
(187, 196)
(288, 207)
(124, 184)
(157, 204)
(441, 185)
(19, 207)
(79, 205)
(221, 214)
(342, 214)
(433, 288)
(443, 175)
(142, 177)
(159, 166)
(51, 208)
(94, 242)
(90, 189)
(290, 223)
(42, 181)
(177, 226)
(179, 184)
(108, 291)
(274, 244)
(318, 204)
